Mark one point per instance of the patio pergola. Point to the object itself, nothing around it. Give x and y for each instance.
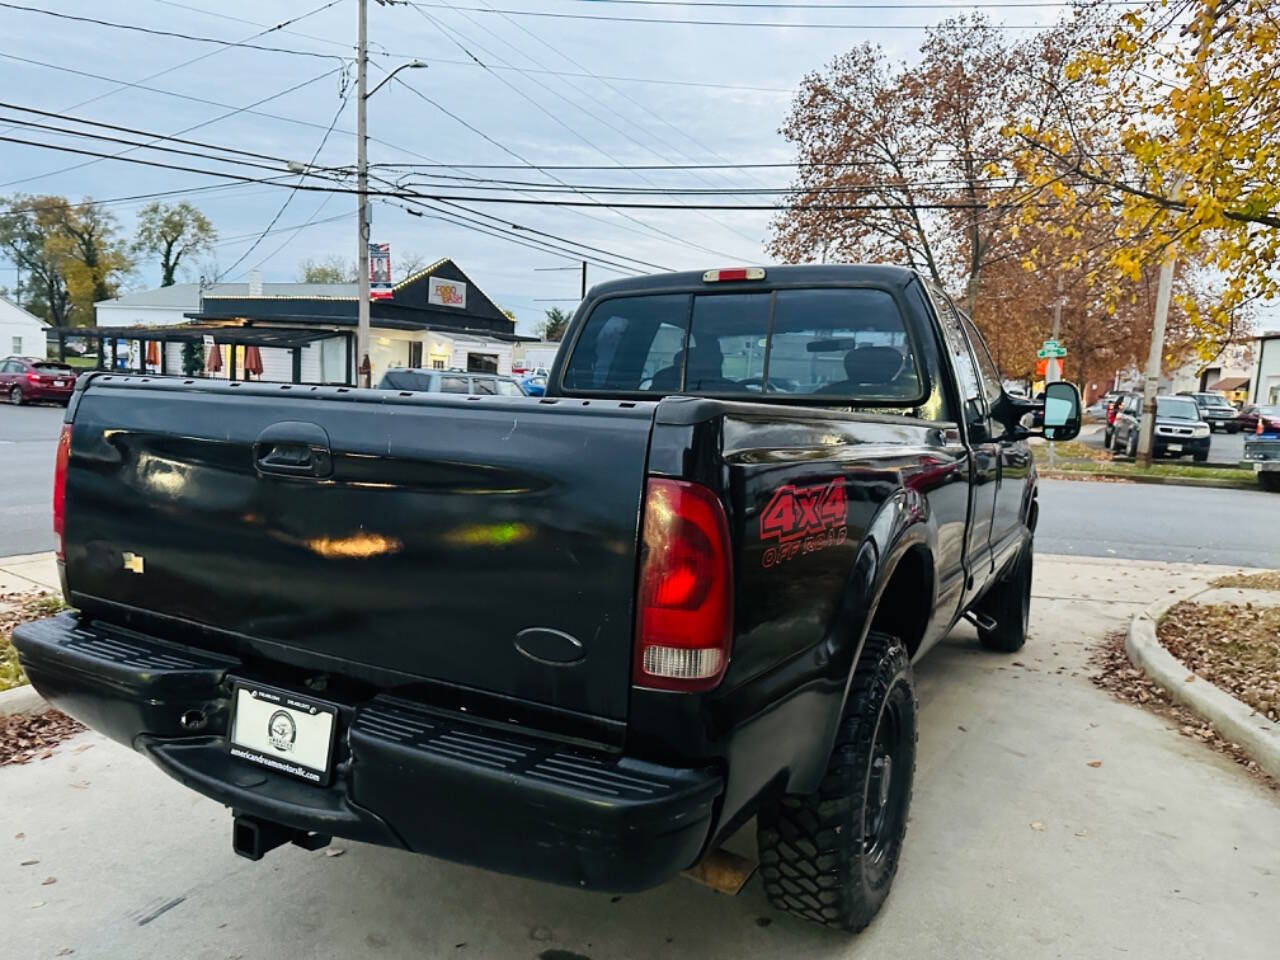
(233, 338)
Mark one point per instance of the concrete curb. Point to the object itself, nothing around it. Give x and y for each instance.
(1236, 721)
(22, 699)
(1241, 484)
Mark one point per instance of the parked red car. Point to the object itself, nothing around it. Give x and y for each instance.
(1249, 415)
(28, 380)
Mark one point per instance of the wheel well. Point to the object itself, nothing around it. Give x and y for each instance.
(907, 599)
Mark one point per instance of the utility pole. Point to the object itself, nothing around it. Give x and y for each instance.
(1164, 289)
(584, 279)
(1155, 356)
(1052, 368)
(362, 197)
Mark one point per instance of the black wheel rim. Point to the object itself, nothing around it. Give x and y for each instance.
(888, 781)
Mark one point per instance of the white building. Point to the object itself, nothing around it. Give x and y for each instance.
(21, 333)
(305, 332)
(1265, 385)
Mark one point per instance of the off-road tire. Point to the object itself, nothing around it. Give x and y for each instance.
(1009, 604)
(15, 396)
(816, 857)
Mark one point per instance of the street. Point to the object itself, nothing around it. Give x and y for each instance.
(1017, 846)
(1154, 522)
(28, 441)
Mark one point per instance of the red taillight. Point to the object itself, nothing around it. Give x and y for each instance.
(733, 273)
(684, 618)
(33, 378)
(60, 487)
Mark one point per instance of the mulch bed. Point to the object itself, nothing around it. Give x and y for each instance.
(1119, 677)
(1266, 580)
(26, 737)
(1236, 647)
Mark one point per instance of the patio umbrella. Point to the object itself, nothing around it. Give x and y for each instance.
(213, 362)
(153, 353)
(253, 361)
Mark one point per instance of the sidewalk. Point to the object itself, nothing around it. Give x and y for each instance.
(30, 571)
(1049, 820)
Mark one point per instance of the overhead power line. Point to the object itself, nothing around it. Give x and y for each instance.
(680, 22)
(204, 146)
(739, 5)
(137, 28)
(342, 104)
(419, 209)
(573, 129)
(520, 201)
(195, 126)
(461, 46)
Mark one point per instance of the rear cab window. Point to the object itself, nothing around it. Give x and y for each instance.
(839, 346)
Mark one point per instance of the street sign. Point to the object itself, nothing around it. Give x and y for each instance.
(1051, 348)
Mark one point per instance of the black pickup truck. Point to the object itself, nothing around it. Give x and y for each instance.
(583, 637)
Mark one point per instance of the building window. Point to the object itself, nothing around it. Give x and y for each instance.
(482, 363)
(17, 345)
(437, 364)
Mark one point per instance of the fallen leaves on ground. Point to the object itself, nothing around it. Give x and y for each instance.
(25, 737)
(1236, 647)
(16, 608)
(1264, 580)
(1119, 677)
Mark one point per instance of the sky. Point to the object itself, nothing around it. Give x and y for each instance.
(643, 93)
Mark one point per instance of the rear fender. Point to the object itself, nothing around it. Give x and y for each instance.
(902, 524)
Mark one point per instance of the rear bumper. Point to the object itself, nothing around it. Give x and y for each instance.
(38, 393)
(405, 775)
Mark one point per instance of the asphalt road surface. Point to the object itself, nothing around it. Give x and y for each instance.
(1149, 522)
(1048, 821)
(28, 443)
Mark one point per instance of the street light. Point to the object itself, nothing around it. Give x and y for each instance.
(364, 370)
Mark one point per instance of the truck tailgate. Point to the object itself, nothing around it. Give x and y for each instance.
(483, 541)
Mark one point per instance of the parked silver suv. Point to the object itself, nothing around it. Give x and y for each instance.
(450, 381)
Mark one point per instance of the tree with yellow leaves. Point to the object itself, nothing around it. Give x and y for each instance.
(1180, 138)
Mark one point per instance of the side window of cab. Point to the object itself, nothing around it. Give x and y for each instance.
(972, 395)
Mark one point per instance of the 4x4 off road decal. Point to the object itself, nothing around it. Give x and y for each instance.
(804, 519)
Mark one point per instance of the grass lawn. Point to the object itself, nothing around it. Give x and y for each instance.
(1077, 458)
(83, 363)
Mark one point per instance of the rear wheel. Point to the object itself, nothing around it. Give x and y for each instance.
(15, 396)
(1132, 450)
(831, 856)
(1008, 603)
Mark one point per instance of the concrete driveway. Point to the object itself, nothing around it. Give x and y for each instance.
(1017, 848)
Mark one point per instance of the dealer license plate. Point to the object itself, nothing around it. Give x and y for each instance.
(1175, 447)
(284, 732)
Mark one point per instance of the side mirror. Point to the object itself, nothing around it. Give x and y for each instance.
(1061, 411)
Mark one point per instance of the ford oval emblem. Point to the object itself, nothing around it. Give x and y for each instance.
(552, 647)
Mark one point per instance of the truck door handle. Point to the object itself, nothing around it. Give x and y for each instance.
(293, 448)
